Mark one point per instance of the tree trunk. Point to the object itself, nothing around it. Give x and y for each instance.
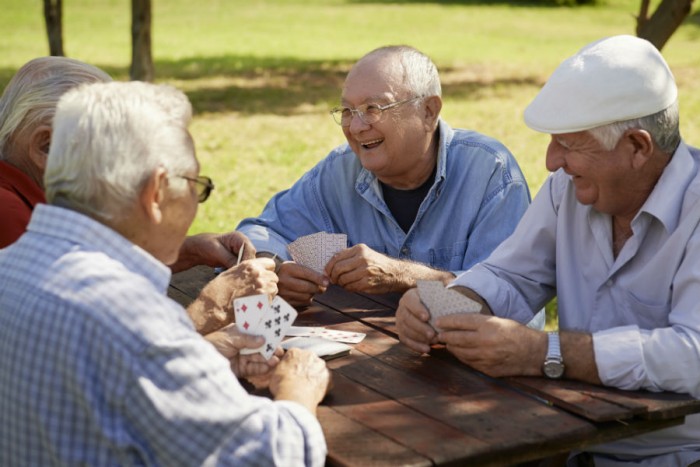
(663, 22)
(54, 27)
(141, 58)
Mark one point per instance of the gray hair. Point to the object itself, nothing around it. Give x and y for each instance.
(108, 138)
(662, 126)
(420, 73)
(30, 98)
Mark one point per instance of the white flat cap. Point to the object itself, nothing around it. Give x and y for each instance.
(611, 80)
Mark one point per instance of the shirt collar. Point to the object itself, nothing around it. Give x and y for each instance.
(14, 179)
(666, 199)
(91, 235)
(445, 134)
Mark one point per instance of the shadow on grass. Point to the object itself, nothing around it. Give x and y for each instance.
(513, 3)
(281, 86)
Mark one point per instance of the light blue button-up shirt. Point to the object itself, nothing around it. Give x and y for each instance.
(475, 202)
(643, 307)
(98, 367)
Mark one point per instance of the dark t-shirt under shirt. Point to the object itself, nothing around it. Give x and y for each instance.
(404, 204)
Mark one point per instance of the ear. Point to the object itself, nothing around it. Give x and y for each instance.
(39, 142)
(432, 108)
(641, 145)
(153, 194)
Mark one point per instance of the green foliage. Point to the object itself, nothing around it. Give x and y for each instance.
(261, 74)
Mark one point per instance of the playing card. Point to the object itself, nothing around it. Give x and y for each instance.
(315, 250)
(306, 250)
(330, 245)
(324, 348)
(273, 326)
(338, 336)
(441, 301)
(248, 311)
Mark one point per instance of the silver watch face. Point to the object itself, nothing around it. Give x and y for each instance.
(553, 369)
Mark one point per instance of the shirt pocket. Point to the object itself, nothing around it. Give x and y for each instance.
(449, 258)
(645, 314)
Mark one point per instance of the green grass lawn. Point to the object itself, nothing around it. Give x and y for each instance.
(262, 74)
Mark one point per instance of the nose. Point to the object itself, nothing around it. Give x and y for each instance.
(555, 156)
(356, 124)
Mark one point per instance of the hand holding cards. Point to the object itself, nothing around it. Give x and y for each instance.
(256, 315)
(315, 250)
(441, 301)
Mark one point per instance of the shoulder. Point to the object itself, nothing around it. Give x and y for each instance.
(113, 300)
(340, 164)
(469, 150)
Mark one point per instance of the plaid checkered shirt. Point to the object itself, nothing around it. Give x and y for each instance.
(99, 367)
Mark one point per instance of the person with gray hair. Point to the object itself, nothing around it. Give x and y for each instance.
(416, 198)
(614, 234)
(27, 106)
(26, 111)
(97, 365)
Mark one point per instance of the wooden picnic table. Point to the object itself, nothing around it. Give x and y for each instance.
(391, 406)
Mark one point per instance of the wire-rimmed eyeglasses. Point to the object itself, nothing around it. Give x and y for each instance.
(368, 113)
(204, 186)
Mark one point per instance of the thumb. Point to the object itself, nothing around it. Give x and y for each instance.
(245, 341)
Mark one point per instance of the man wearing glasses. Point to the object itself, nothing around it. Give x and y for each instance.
(416, 198)
(97, 365)
(27, 106)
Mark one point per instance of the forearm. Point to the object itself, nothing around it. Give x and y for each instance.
(579, 357)
(411, 272)
(295, 392)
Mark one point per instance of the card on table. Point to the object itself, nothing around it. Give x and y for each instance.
(315, 250)
(270, 320)
(324, 348)
(441, 301)
(349, 337)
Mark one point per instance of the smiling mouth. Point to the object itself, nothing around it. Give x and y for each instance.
(371, 144)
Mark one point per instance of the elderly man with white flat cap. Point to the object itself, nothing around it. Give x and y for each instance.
(614, 234)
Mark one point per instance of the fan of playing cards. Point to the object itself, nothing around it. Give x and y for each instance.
(441, 301)
(315, 250)
(256, 315)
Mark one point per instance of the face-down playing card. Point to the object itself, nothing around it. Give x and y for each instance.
(315, 250)
(441, 301)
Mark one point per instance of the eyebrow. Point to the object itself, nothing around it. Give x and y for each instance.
(561, 142)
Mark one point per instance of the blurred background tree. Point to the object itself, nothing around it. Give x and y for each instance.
(142, 68)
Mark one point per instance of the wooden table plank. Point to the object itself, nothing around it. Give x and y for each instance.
(360, 308)
(392, 406)
(604, 404)
(348, 443)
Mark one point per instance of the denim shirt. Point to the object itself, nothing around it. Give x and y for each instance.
(475, 202)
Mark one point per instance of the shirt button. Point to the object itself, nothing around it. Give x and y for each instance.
(405, 251)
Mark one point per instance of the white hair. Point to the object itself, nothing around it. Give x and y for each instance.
(108, 139)
(420, 73)
(30, 98)
(662, 126)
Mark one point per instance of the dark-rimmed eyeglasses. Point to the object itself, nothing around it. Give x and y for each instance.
(204, 186)
(368, 113)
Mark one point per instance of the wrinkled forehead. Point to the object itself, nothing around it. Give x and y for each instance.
(374, 78)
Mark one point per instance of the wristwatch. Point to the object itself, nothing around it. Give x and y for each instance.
(553, 363)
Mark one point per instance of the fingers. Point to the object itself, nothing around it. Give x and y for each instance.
(412, 323)
(345, 261)
(254, 365)
(229, 341)
(298, 284)
(253, 277)
(300, 374)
